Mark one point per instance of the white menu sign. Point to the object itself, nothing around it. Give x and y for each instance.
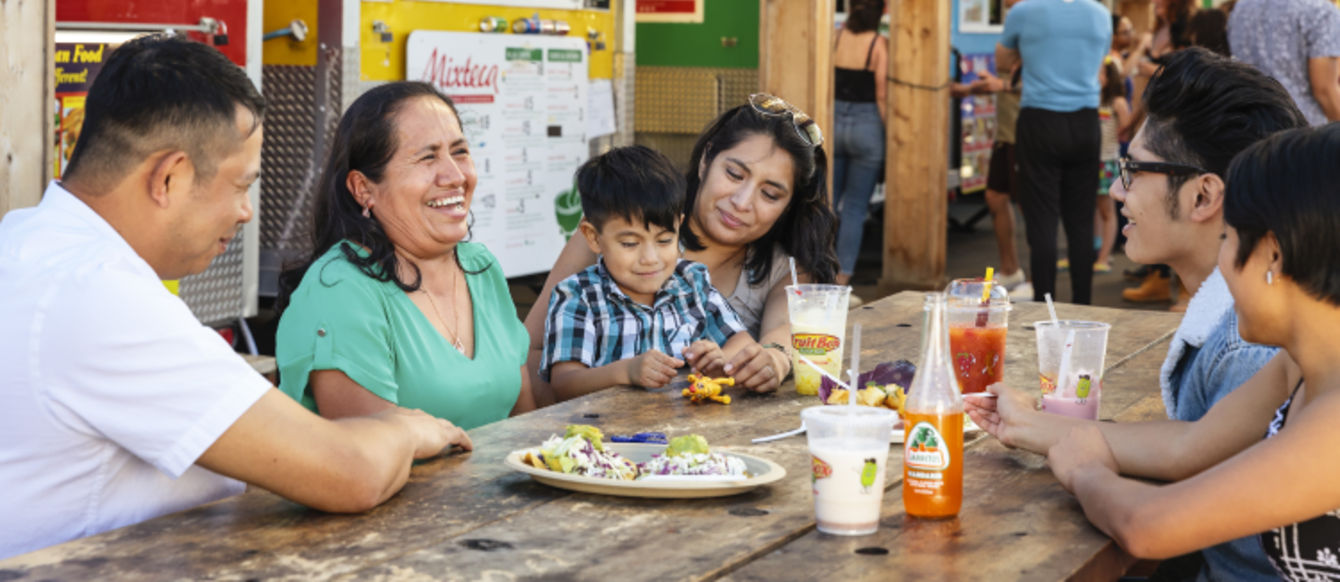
(522, 100)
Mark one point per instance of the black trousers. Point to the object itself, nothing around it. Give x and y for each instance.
(1058, 179)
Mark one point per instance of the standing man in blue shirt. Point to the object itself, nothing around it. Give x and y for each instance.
(1062, 44)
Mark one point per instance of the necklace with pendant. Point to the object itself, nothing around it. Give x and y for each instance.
(456, 339)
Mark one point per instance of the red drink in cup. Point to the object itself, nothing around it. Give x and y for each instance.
(977, 331)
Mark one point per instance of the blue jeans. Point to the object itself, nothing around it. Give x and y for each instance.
(858, 156)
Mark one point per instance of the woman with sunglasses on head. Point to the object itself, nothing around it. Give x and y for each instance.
(757, 197)
(1262, 460)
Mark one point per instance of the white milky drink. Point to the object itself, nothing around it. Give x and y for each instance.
(848, 480)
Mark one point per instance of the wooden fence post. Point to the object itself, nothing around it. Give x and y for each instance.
(27, 94)
(916, 197)
(795, 56)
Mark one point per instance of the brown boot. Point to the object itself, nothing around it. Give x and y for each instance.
(1154, 289)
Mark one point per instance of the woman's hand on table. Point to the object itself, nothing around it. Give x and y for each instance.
(1000, 416)
(1084, 449)
(757, 369)
(432, 435)
(705, 358)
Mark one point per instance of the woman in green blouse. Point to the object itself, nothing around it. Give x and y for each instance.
(393, 308)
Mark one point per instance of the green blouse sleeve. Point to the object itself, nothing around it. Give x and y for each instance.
(337, 320)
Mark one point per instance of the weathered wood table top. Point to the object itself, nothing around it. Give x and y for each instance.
(468, 517)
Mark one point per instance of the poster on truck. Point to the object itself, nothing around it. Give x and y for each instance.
(522, 101)
(77, 64)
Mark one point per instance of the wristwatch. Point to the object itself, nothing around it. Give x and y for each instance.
(781, 348)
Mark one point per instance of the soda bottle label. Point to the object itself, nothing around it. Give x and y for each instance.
(933, 465)
(926, 449)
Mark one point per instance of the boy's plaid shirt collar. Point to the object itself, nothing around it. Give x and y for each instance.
(673, 288)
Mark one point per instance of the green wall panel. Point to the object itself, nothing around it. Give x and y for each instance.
(699, 45)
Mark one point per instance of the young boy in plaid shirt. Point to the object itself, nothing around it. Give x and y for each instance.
(625, 319)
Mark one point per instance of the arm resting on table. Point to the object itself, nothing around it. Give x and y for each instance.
(1166, 450)
(1273, 483)
(349, 465)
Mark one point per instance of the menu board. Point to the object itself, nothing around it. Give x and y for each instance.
(522, 100)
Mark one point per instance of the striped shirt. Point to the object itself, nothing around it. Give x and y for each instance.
(592, 321)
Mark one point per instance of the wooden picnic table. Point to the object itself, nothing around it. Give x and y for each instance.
(468, 517)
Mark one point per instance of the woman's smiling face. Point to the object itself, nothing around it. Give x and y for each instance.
(745, 190)
(423, 200)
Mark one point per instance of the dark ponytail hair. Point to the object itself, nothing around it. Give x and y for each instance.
(365, 141)
(807, 229)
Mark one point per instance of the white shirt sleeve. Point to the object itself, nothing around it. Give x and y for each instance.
(119, 357)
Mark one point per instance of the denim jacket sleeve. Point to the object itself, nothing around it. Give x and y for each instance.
(1225, 362)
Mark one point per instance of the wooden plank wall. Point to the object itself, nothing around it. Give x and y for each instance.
(917, 162)
(795, 57)
(27, 91)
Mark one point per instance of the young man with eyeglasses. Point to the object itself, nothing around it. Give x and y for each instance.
(1203, 110)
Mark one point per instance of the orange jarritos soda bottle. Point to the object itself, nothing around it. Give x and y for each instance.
(933, 425)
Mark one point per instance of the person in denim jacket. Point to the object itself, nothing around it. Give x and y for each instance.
(1203, 110)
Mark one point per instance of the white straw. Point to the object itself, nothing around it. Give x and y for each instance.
(824, 372)
(795, 281)
(1052, 308)
(1063, 376)
(855, 363)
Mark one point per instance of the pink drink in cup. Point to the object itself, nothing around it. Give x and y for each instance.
(1080, 390)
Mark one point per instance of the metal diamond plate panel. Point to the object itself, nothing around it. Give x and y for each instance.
(686, 99)
(215, 296)
(290, 168)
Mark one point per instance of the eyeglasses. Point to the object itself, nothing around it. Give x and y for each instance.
(805, 126)
(1128, 167)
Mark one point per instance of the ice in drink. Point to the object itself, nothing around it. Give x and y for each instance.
(848, 484)
(819, 344)
(977, 330)
(978, 355)
(818, 320)
(933, 421)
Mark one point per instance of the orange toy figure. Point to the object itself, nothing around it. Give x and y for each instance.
(705, 388)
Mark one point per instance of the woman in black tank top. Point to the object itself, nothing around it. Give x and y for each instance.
(858, 126)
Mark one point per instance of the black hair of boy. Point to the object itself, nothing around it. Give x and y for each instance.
(1204, 109)
(635, 183)
(1289, 185)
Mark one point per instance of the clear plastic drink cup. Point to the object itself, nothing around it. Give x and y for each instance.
(1078, 393)
(818, 323)
(849, 453)
(977, 332)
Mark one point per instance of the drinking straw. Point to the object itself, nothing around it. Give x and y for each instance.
(855, 363)
(1062, 377)
(984, 316)
(795, 281)
(824, 372)
(1052, 308)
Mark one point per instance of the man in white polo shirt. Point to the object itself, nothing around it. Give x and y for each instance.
(116, 405)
